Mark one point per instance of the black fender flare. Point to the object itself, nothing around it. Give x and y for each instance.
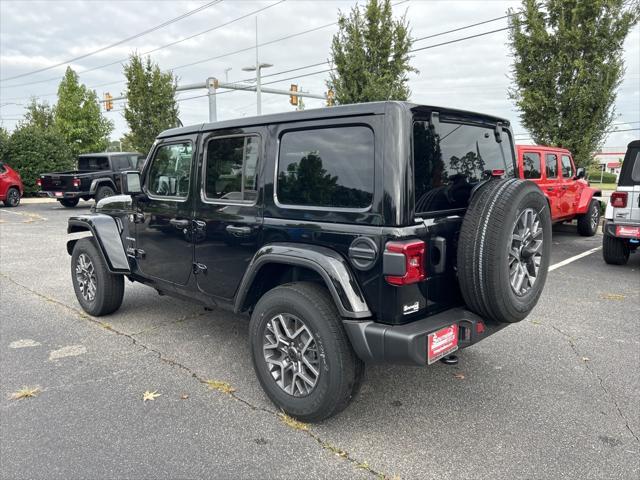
(329, 264)
(98, 182)
(107, 235)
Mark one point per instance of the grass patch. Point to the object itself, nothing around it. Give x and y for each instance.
(603, 186)
(223, 387)
(293, 423)
(25, 392)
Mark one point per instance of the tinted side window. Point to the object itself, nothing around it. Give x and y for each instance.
(170, 171)
(329, 167)
(230, 169)
(567, 169)
(551, 161)
(531, 165)
(2, 168)
(93, 163)
(121, 162)
(635, 173)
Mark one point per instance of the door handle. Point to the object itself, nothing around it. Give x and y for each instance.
(179, 223)
(565, 187)
(238, 231)
(199, 224)
(549, 189)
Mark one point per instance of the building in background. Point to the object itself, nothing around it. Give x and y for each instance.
(611, 158)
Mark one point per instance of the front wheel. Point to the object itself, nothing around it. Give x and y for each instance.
(98, 291)
(301, 354)
(589, 221)
(13, 197)
(69, 202)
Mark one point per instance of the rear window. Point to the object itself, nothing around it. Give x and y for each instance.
(630, 173)
(327, 167)
(450, 158)
(93, 163)
(531, 165)
(551, 162)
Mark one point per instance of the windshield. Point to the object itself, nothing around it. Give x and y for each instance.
(93, 163)
(450, 158)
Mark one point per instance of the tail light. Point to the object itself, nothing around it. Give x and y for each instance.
(39, 182)
(619, 199)
(414, 261)
(76, 182)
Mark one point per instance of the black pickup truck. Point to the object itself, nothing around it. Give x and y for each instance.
(96, 177)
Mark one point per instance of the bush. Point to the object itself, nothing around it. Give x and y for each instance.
(594, 176)
(32, 151)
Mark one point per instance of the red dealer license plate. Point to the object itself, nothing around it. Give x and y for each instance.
(58, 194)
(442, 343)
(629, 232)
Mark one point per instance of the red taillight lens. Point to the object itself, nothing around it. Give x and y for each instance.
(39, 182)
(619, 199)
(413, 252)
(76, 182)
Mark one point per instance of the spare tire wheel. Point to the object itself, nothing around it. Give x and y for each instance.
(503, 250)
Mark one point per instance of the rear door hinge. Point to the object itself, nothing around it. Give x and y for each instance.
(199, 268)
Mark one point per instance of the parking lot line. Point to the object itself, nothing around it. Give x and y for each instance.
(573, 259)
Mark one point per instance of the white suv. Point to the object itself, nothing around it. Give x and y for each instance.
(622, 217)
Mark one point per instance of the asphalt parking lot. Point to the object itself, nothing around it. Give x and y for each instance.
(555, 396)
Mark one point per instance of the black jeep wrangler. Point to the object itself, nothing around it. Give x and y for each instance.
(380, 232)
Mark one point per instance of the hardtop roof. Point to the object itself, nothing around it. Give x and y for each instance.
(107, 154)
(370, 108)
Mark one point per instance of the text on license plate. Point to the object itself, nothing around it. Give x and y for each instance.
(58, 194)
(629, 232)
(442, 343)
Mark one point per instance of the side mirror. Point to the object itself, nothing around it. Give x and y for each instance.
(130, 183)
(580, 173)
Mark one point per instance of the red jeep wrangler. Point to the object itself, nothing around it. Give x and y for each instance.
(569, 195)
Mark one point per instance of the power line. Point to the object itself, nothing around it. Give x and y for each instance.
(116, 62)
(120, 42)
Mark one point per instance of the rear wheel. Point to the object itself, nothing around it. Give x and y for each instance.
(301, 353)
(589, 221)
(98, 291)
(13, 197)
(104, 192)
(69, 202)
(615, 251)
(503, 250)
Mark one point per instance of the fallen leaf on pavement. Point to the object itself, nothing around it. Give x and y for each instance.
(585, 359)
(459, 376)
(223, 387)
(150, 395)
(184, 396)
(25, 392)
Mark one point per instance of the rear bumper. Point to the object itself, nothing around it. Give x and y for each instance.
(52, 194)
(407, 344)
(610, 228)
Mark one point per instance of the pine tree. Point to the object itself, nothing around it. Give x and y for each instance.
(151, 105)
(567, 66)
(370, 54)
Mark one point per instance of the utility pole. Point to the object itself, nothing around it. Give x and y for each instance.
(258, 67)
(212, 86)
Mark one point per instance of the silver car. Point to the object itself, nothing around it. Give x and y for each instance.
(622, 217)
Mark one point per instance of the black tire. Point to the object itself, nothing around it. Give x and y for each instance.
(109, 288)
(589, 221)
(13, 197)
(104, 192)
(615, 251)
(485, 244)
(340, 370)
(69, 202)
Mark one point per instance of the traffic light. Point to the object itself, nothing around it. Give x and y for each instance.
(331, 100)
(293, 99)
(108, 103)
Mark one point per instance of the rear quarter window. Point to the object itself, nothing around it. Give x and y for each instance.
(326, 167)
(630, 173)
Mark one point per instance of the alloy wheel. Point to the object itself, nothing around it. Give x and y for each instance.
(525, 253)
(14, 197)
(291, 354)
(86, 277)
(595, 217)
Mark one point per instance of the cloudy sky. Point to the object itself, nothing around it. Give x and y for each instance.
(471, 74)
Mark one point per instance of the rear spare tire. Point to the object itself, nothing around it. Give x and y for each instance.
(69, 202)
(503, 250)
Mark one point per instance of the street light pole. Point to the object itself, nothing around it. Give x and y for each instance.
(258, 69)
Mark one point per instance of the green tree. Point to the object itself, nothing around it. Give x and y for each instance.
(567, 66)
(78, 116)
(39, 115)
(4, 143)
(33, 150)
(151, 105)
(370, 54)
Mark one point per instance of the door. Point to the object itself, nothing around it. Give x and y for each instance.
(571, 189)
(4, 180)
(551, 184)
(228, 221)
(163, 228)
